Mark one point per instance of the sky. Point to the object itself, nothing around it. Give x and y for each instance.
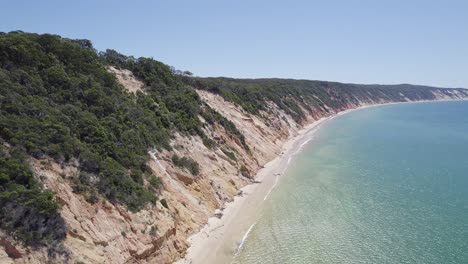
(380, 41)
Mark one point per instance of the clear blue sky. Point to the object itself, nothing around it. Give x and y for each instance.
(399, 41)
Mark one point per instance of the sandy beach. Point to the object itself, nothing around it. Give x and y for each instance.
(221, 238)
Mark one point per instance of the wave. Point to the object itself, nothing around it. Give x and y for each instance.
(272, 187)
(244, 238)
(303, 144)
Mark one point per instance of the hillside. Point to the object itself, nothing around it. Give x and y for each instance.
(109, 158)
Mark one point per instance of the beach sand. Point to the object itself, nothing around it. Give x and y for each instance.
(220, 239)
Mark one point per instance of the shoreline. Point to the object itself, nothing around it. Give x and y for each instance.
(220, 240)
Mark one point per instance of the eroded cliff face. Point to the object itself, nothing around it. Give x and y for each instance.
(103, 232)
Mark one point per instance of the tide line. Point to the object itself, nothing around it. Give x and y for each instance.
(244, 238)
(272, 187)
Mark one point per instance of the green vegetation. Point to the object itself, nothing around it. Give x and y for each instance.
(211, 117)
(153, 230)
(26, 211)
(58, 100)
(187, 163)
(230, 154)
(164, 203)
(178, 104)
(297, 97)
(244, 171)
(154, 181)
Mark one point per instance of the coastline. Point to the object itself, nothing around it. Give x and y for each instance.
(221, 238)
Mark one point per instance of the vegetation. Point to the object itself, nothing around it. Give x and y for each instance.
(155, 182)
(164, 203)
(187, 163)
(153, 230)
(58, 100)
(211, 117)
(230, 154)
(297, 97)
(26, 211)
(178, 104)
(244, 171)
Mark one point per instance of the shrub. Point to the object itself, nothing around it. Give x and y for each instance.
(92, 197)
(230, 154)
(154, 181)
(27, 211)
(187, 163)
(153, 231)
(244, 171)
(208, 142)
(164, 203)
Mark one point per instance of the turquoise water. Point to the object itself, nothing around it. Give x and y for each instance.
(380, 185)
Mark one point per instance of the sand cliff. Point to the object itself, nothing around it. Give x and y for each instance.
(108, 233)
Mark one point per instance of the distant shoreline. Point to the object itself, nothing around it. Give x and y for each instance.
(221, 238)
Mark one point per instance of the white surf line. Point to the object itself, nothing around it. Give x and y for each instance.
(287, 163)
(272, 187)
(311, 132)
(243, 239)
(305, 142)
(277, 179)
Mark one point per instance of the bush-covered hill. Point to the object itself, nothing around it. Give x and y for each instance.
(59, 101)
(295, 96)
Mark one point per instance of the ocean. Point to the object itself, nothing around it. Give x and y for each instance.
(385, 184)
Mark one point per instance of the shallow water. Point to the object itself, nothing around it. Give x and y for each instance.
(386, 184)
